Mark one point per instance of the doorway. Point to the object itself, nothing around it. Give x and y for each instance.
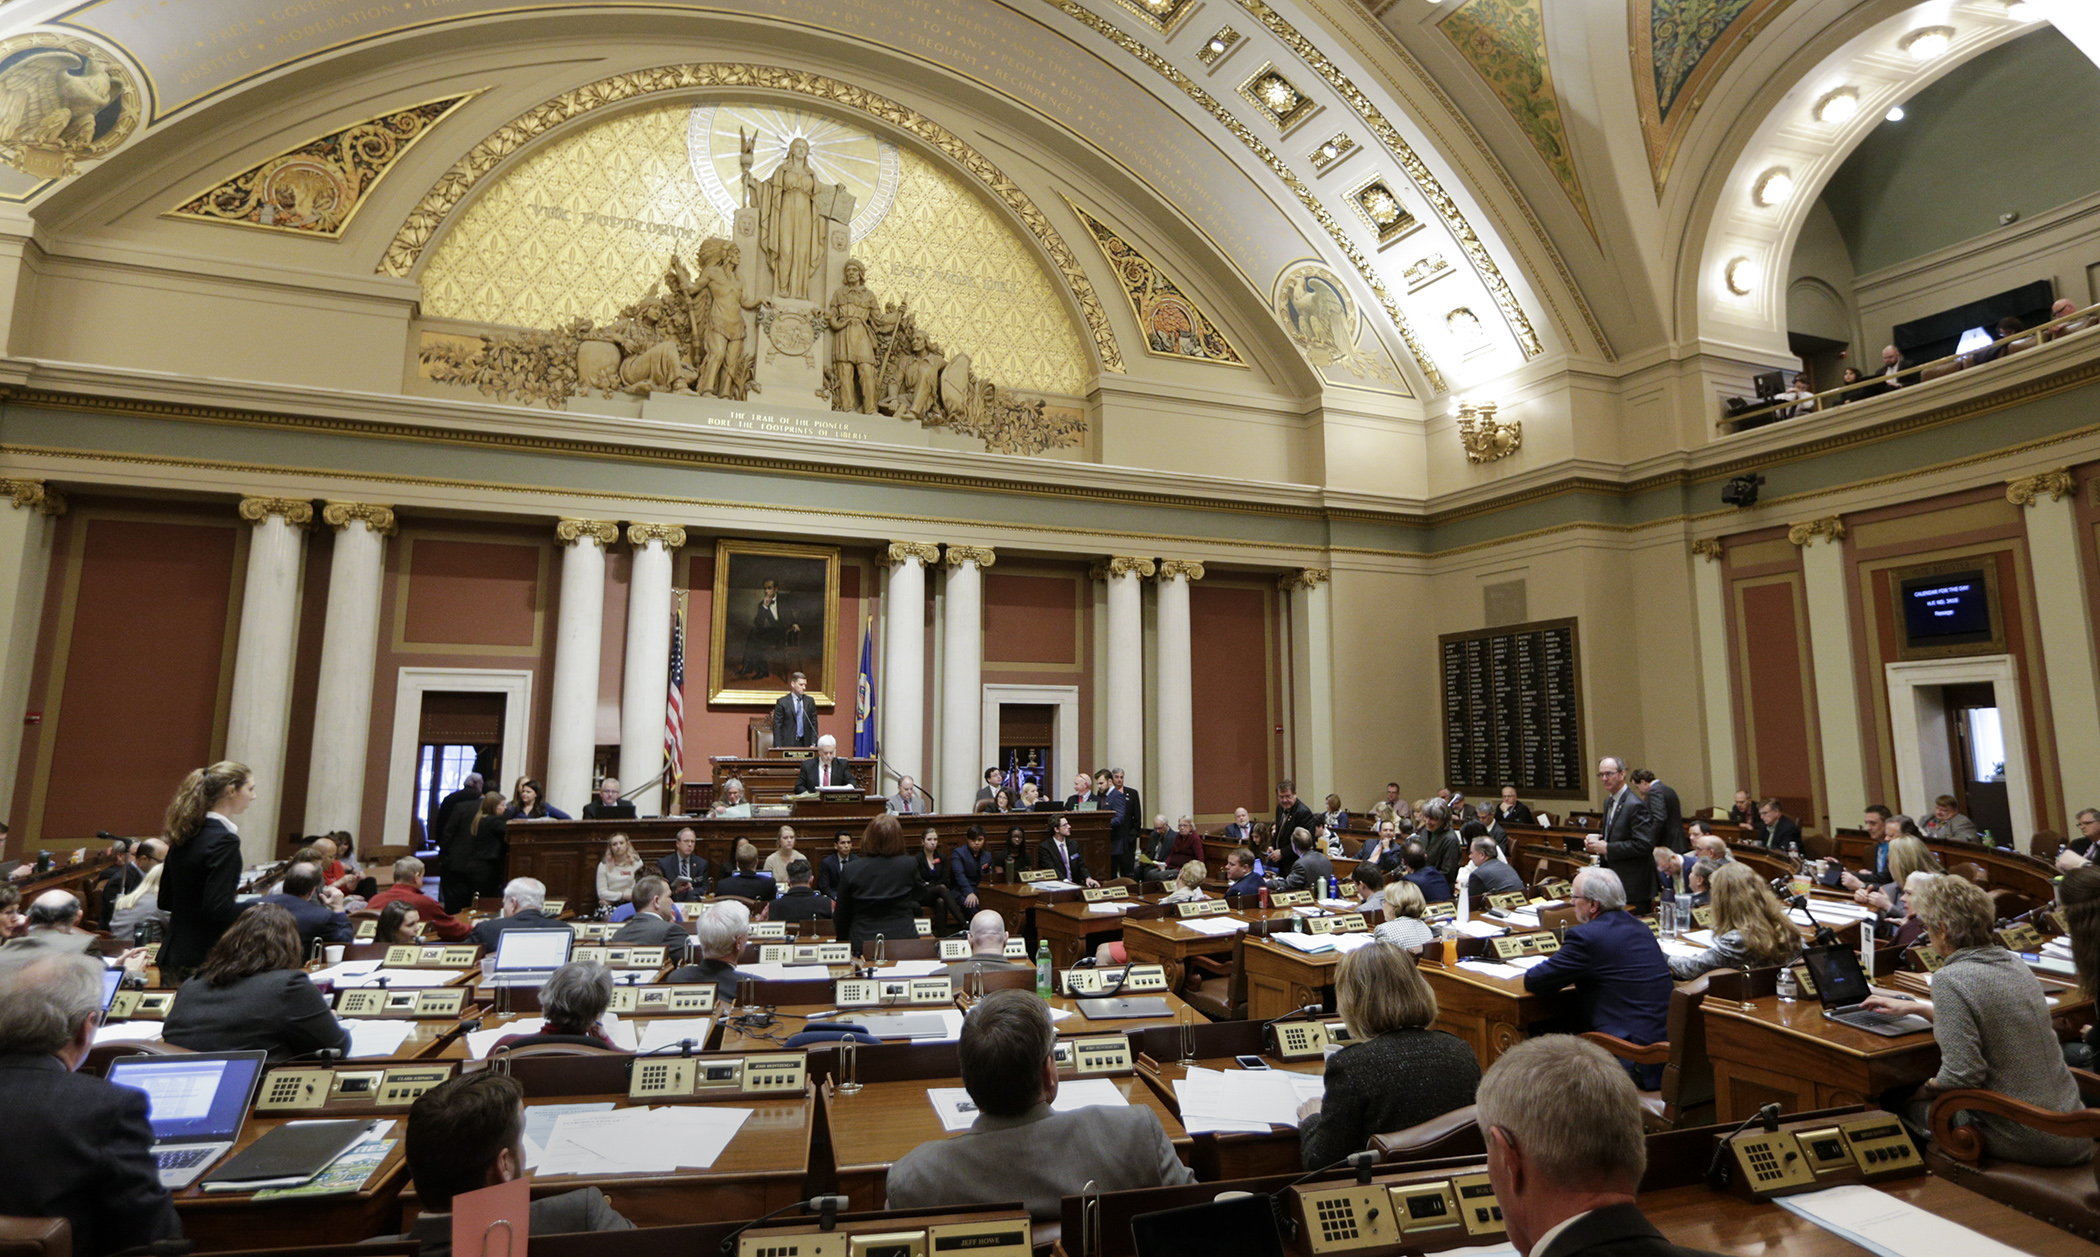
(1045, 719)
(484, 713)
(1976, 752)
(458, 732)
(1028, 747)
(1958, 730)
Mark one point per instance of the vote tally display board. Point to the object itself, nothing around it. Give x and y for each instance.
(1513, 711)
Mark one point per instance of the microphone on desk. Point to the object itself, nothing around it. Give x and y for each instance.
(1768, 1114)
(1295, 1012)
(1825, 936)
(827, 1209)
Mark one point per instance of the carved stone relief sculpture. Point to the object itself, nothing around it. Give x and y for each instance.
(62, 100)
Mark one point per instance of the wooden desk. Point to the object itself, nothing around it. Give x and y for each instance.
(1491, 1014)
(793, 1017)
(222, 1221)
(1235, 1154)
(1280, 979)
(871, 1130)
(1073, 930)
(1166, 942)
(766, 780)
(1791, 1053)
(1698, 1217)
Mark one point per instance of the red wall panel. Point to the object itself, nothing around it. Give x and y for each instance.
(1229, 654)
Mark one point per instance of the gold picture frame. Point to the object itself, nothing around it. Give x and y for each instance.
(748, 665)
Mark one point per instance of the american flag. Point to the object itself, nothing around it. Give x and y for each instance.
(674, 701)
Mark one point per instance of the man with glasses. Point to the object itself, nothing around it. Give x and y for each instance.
(1628, 841)
(1621, 980)
(2080, 850)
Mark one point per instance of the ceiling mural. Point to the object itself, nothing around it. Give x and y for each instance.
(1167, 318)
(1680, 47)
(1505, 41)
(318, 187)
(63, 100)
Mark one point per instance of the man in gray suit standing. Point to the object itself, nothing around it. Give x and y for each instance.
(1018, 1149)
(1668, 810)
(795, 715)
(1628, 841)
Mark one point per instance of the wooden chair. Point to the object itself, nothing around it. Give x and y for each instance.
(36, 1237)
(531, 1050)
(1686, 1096)
(2063, 1196)
(1219, 991)
(1454, 1134)
(1974, 872)
(761, 735)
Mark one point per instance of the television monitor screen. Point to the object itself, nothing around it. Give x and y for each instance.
(1770, 384)
(1947, 609)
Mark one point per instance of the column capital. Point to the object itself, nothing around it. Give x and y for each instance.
(34, 495)
(379, 519)
(1708, 548)
(298, 512)
(1187, 569)
(1122, 565)
(982, 556)
(1303, 578)
(602, 531)
(2027, 490)
(1830, 528)
(640, 535)
(902, 552)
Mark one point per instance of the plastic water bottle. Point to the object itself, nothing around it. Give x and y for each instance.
(1334, 886)
(1785, 987)
(1042, 968)
(1465, 899)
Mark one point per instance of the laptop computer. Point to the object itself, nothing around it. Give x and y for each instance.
(112, 980)
(1842, 986)
(195, 1103)
(530, 957)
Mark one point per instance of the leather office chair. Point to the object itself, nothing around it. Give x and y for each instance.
(100, 1055)
(1686, 1096)
(555, 1049)
(1974, 872)
(2063, 1196)
(36, 1237)
(1453, 1134)
(1219, 990)
(761, 735)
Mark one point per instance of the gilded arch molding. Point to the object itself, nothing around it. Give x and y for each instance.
(456, 184)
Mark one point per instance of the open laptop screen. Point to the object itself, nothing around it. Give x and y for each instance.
(520, 950)
(1840, 981)
(111, 980)
(192, 1097)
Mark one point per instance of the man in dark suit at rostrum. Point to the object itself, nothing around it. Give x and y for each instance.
(609, 806)
(468, 1134)
(1566, 1152)
(795, 715)
(1291, 815)
(1628, 841)
(77, 1147)
(1662, 801)
(1058, 851)
(317, 922)
(1018, 1148)
(825, 768)
(524, 899)
(654, 922)
(1615, 965)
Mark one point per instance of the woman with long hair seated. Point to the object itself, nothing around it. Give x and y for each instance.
(617, 869)
(1751, 930)
(573, 1002)
(398, 923)
(2078, 894)
(1399, 1072)
(528, 802)
(251, 992)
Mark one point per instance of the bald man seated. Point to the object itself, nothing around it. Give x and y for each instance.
(54, 923)
(987, 948)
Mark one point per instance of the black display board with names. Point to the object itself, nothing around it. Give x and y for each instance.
(1513, 711)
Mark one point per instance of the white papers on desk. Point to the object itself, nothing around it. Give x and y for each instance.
(1489, 968)
(1480, 927)
(1088, 1093)
(2059, 947)
(953, 1106)
(376, 1037)
(1109, 909)
(1521, 918)
(142, 1031)
(1213, 1100)
(773, 971)
(639, 1140)
(1528, 963)
(933, 1025)
(539, 1124)
(1699, 938)
(663, 1032)
(1216, 927)
(1880, 1223)
(395, 979)
(480, 1041)
(1054, 883)
(911, 969)
(2056, 965)
(1678, 947)
(338, 974)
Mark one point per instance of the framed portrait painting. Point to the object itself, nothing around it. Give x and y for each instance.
(775, 612)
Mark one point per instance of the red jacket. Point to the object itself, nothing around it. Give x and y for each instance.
(447, 927)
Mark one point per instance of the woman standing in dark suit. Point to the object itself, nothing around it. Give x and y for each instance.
(878, 887)
(203, 868)
(485, 847)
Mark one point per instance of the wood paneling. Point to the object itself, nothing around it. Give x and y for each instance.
(1231, 657)
(1776, 689)
(1031, 620)
(470, 593)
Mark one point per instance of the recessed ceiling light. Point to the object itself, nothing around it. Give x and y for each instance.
(1217, 45)
(1773, 187)
(1741, 276)
(1895, 114)
(1839, 106)
(1927, 42)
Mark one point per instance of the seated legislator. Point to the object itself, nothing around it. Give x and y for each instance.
(936, 891)
(1431, 882)
(987, 948)
(573, 1002)
(1991, 1021)
(1616, 967)
(1404, 909)
(776, 862)
(800, 901)
(524, 901)
(1241, 881)
(609, 806)
(1782, 832)
(655, 921)
(877, 890)
(1188, 887)
(251, 993)
(1310, 867)
(1947, 824)
(2078, 894)
(52, 924)
(732, 805)
(970, 865)
(408, 888)
(685, 868)
(77, 1147)
(1018, 1149)
(825, 768)
(617, 869)
(1751, 930)
(1058, 851)
(142, 903)
(1486, 873)
(829, 868)
(719, 933)
(398, 923)
(1398, 1073)
(1370, 887)
(747, 882)
(1566, 1152)
(317, 922)
(469, 1133)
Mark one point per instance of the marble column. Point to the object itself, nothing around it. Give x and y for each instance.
(2060, 600)
(335, 775)
(1710, 603)
(645, 686)
(1124, 745)
(26, 532)
(260, 713)
(901, 689)
(1312, 679)
(1823, 572)
(1177, 691)
(962, 678)
(572, 730)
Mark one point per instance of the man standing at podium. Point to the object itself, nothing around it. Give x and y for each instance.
(823, 768)
(795, 715)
